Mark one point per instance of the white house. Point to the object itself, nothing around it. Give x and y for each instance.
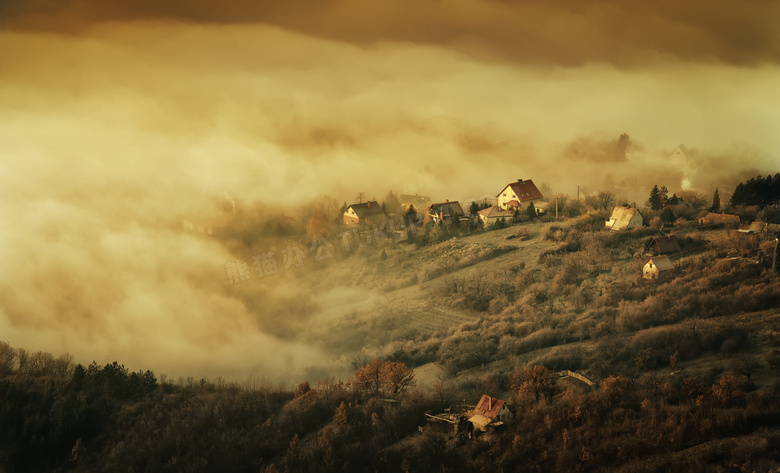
(517, 195)
(624, 218)
(361, 214)
(657, 267)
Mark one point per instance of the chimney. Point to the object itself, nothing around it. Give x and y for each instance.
(490, 403)
(447, 200)
(369, 204)
(520, 181)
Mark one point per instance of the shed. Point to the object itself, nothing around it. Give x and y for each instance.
(663, 245)
(657, 267)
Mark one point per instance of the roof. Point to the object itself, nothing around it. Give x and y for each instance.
(524, 189)
(681, 152)
(480, 420)
(495, 212)
(488, 407)
(667, 244)
(622, 216)
(663, 263)
(451, 209)
(367, 209)
(719, 218)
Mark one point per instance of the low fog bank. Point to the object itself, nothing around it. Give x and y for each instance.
(111, 140)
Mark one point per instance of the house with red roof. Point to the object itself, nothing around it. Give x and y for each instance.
(517, 195)
(489, 411)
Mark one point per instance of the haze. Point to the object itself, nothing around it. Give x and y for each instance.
(118, 121)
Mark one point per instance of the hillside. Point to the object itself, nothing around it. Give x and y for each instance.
(684, 368)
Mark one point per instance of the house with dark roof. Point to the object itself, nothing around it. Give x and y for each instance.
(517, 195)
(364, 213)
(624, 218)
(446, 211)
(663, 245)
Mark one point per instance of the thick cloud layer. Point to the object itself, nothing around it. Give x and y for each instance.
(562, 32)
(109, 138)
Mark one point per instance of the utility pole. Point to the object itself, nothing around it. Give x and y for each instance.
(578, 198)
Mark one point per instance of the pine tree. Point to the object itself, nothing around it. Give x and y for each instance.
(531, 211)
(715, 202)
(655, 198)
(667, 215)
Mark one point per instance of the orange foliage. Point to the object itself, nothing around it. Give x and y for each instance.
(392, 377)
(317, 227)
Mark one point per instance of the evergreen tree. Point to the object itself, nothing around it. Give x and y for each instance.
(474, 208)
(667, 215)
(411, 214)
(392, 204)
(531, 211)
(654, 202)
(663, 195)
(715, 202)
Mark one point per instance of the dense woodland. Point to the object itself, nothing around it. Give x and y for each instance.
(686, 372)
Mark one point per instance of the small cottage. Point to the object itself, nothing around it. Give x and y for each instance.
(492, 214)
(624, 218)
(657, 267)
(488, 412)
(364, 213)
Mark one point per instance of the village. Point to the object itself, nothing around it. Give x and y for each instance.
(663, 254)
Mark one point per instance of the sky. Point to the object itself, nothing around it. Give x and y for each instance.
(118, 119)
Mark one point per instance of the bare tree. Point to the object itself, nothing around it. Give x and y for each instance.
(7, 358)
(605, 199)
